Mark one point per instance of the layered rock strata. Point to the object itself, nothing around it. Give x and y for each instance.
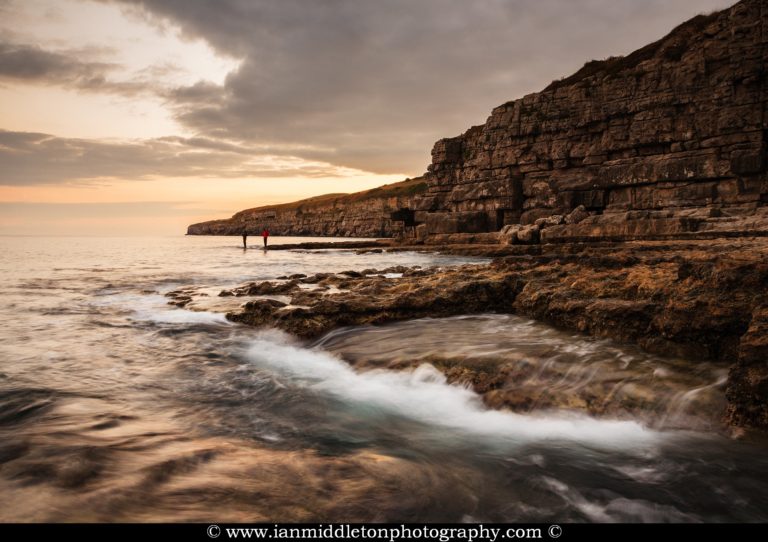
(669, 141)
(362, 214)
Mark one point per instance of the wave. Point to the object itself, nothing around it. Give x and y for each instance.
(424, 395)
(155, 309)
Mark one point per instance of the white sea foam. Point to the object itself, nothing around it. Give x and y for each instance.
(181, 316)
(424, 395)
(154, 308)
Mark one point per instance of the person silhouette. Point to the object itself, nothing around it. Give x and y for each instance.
(245, 238)
(265, 235)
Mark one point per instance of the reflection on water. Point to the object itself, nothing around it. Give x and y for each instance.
(115, 406)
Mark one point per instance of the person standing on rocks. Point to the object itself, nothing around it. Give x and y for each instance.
(265, 235)
(245, 238)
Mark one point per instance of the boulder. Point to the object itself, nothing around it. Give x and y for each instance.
(554, 220)
(577, 215)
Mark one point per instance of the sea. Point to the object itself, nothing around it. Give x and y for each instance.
(116, 406)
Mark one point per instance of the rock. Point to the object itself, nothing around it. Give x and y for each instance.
(508, 234)
(362, 214)
(182, 297)
(372, 299)
(528, 235)
(577, 215)
(554, 220)
(519, 234)
(637, 134)
(747, 390)
(609, 139)
(395, 269)
(421, 232)
(701, 300)
(457, 222)
(264, 288)
(314, 279)
(417, 272)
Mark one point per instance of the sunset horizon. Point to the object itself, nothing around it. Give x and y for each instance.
(383, 269)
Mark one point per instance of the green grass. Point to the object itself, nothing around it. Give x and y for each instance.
(408, 187)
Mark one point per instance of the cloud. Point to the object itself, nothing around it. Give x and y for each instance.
(34, 158)
(108, 210)
(28, 62)
(372, 84)
(31, 64)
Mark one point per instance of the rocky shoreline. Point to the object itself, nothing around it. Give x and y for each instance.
(628, 200)
(695, 300)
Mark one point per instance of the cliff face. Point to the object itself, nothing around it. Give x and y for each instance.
(668, 140)
(362, 214)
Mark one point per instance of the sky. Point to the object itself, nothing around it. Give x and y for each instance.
(139, 117)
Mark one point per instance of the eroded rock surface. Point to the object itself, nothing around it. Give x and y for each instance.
(695, 300)
(666, 142)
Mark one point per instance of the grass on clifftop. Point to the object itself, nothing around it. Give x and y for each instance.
(672, 46)
(408, 187)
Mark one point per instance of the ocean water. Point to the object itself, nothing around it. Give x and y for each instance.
(116, 406)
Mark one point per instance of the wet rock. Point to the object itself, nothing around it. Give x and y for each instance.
(374, 299)
(701, 300)
(316, 278)
(417, 272)
(748, 379)
(265, 288)
(395, 269)
(181, 298)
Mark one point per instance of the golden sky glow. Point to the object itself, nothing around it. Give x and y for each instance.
(143, 116)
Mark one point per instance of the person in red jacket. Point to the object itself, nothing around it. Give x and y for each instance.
(265, 235)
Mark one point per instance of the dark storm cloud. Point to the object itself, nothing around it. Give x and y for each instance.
(373, 83)
(34, 158)
(31, 64)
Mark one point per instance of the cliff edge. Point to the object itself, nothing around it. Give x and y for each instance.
(667, 142)
(600, 191)
(361, 214)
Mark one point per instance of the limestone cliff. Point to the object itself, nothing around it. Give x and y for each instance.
(362, 214)
(669, 140)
